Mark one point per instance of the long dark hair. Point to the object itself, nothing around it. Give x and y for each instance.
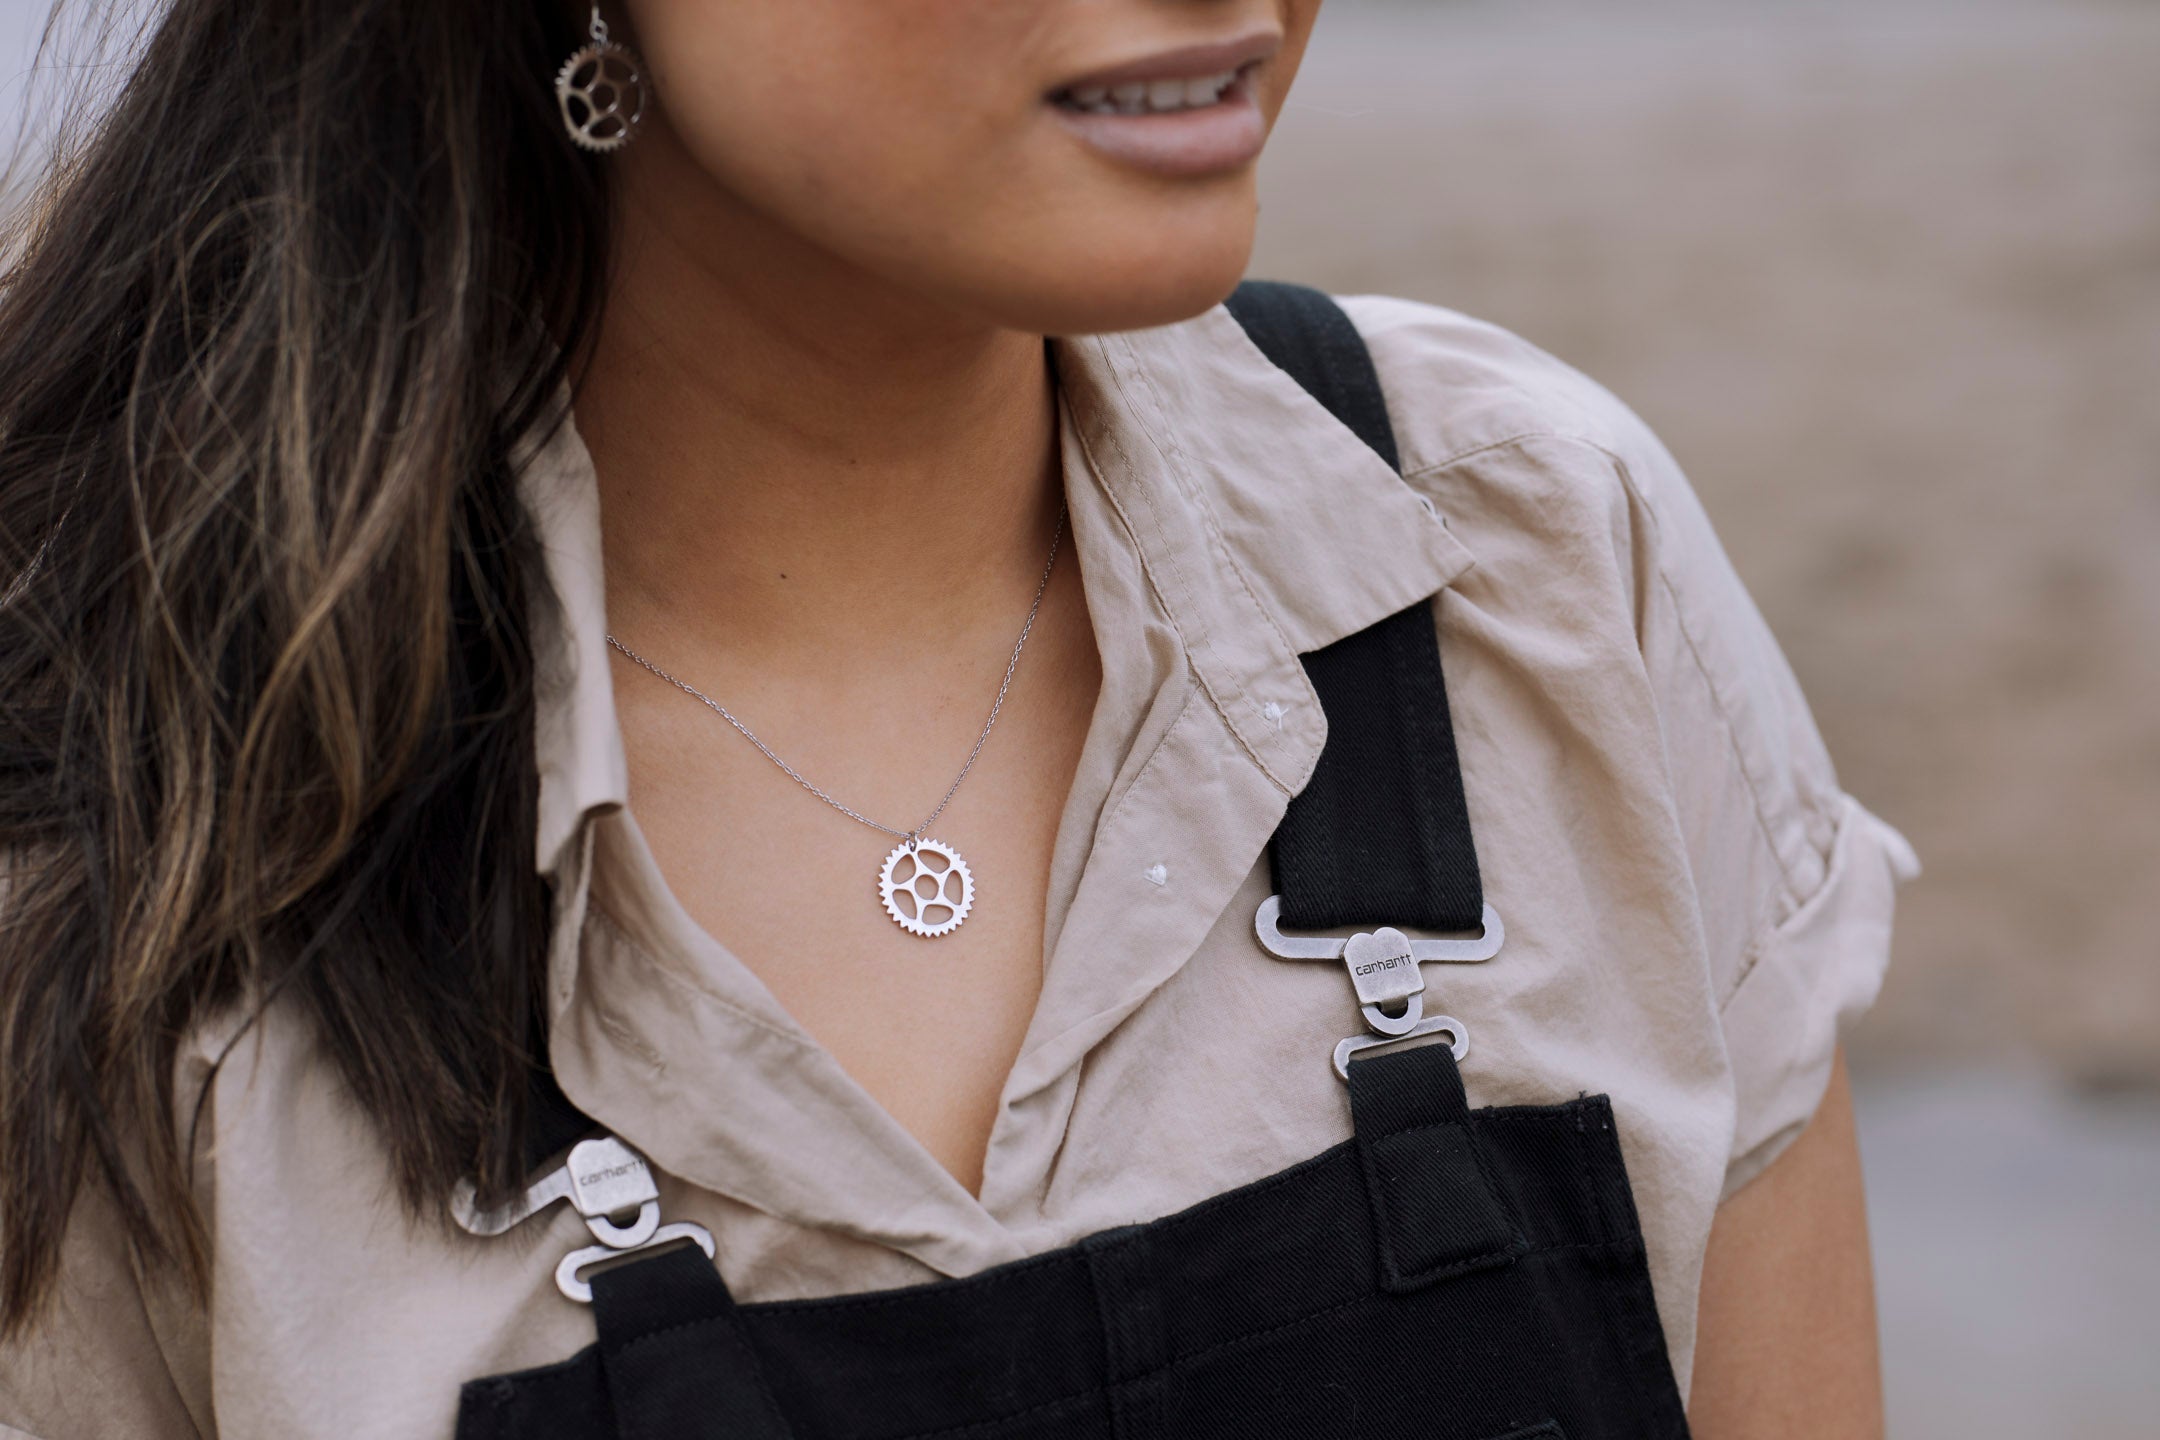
(273, 329)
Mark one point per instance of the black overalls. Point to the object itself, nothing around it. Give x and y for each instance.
(1448, 1273)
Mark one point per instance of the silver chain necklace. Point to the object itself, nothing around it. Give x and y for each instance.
(926, 887)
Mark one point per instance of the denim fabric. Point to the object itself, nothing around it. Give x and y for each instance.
(1448, 1274)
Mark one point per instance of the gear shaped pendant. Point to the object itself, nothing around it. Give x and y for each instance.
(927, 888)
(602, 93)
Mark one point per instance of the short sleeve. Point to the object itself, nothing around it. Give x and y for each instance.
(1796, 880)
(1793, 881)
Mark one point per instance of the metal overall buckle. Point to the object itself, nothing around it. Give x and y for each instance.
(607, 1183)
(1384, 966)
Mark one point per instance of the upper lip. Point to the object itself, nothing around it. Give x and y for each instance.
(1185, 63)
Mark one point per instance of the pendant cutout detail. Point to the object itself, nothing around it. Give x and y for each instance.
(927, 888)
(602, 93)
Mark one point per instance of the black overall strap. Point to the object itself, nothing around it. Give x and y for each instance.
(1381, 833)
(1435, 1210)
(677, 1362)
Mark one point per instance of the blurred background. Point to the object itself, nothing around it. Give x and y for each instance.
(1886, 276)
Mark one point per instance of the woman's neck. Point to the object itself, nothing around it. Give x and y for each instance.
(784, 442)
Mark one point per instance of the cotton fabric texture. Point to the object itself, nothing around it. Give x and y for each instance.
(1693, 906)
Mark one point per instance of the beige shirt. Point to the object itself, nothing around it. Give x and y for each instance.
(1692, 906)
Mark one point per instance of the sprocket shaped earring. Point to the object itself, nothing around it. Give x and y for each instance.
(927, 888)
(602, 91)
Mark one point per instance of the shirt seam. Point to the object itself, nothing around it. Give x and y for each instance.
(597, 914)
(1170, 611)
(1432, 467)
(1766, 934)
(1789, 889)
(1750, 958)
(1718, 700)
(1172, 451)
(166, 1371)
(1710, 682)
(1147, 767)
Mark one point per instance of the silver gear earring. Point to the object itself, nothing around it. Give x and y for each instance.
(602, 91)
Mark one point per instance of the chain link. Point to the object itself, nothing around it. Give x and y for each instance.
(910, 836)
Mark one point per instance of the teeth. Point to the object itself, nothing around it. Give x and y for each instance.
(1151, 97)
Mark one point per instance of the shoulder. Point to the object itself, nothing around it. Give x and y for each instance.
(1458, 387)
(1511, 441)
(1592, 543)
(1574, 506)
(1595, 558)
(1541, 469)
(98, 1359)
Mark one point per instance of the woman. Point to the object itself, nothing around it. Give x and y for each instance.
(404, 778)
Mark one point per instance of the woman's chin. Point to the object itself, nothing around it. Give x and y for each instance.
(1114, 286)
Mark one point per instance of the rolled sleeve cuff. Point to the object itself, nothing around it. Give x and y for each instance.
(1815, 972)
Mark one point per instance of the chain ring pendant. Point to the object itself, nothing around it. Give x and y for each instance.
(927, 888)
(602, 94)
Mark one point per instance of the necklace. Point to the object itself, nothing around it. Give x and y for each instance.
(926, 887)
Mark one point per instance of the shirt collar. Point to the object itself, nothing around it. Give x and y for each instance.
(1265, 527)
(580, 752)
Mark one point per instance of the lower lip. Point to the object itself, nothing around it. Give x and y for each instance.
(1206, 140)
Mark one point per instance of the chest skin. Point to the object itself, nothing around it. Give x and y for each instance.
(929, 1028)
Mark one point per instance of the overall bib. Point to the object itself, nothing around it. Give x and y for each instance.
(1447, 1273)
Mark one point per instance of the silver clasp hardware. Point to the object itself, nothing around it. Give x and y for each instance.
(1458, 1040)
(1385, 971)
(610, 1186)
(569, 1282)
